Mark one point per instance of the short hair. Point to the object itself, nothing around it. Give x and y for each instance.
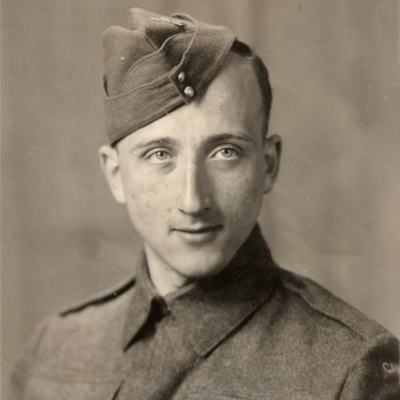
(262, 75)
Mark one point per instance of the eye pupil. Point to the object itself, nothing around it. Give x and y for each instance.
(227, 152)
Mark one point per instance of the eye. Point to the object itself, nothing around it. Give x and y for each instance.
(226, 153)
(159, 156)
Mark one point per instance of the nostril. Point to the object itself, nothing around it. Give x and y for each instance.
(194, 191)
(195, 206)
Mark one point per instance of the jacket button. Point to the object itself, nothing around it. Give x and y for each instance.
(181, 77)
(189, 91)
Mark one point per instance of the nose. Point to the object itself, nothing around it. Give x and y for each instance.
(193, 189)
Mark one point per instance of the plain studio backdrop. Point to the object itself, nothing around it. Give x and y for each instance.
(334, 214)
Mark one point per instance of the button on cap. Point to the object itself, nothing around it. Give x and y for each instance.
(189, 91)
(181, 77)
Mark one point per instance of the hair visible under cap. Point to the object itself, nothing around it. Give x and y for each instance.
(262, 75)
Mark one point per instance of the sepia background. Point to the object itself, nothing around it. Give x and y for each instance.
(334, 214)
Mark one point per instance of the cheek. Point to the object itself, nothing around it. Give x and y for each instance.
(146, 200)
(240, 194)
(244, 186)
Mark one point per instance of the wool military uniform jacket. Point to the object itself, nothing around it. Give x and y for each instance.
(253, 332)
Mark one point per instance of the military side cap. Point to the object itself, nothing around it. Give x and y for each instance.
(157, 65)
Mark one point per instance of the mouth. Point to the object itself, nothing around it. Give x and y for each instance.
(198, 230)
(197, 235)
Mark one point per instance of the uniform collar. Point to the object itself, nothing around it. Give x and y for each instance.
(143, 299)
(215, 306)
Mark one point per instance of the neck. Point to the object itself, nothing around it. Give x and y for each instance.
(164, 278)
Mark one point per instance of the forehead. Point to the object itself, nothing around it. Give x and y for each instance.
(232, 102)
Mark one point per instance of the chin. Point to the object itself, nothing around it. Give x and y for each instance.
(193, 269)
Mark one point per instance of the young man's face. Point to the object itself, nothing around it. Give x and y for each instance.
(193, 181)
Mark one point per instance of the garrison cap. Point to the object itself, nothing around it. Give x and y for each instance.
(156, 65)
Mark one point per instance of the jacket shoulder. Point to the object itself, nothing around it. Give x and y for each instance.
(102, 298)
(83, 336)
(75, 345)
(362, 353)
(93, 320)
(330, 307)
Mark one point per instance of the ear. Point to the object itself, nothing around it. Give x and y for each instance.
(110, 164)
(272, 149)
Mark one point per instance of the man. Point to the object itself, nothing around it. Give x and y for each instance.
(208, 313)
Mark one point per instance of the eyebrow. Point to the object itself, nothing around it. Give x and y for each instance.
(230, 135)
(164, 141)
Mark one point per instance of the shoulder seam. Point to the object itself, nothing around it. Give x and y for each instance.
(331, 317)
(326, 313)
(100, 299)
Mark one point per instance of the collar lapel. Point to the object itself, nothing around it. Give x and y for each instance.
(140, 304)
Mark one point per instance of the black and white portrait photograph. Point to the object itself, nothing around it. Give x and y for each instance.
(200, 199)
